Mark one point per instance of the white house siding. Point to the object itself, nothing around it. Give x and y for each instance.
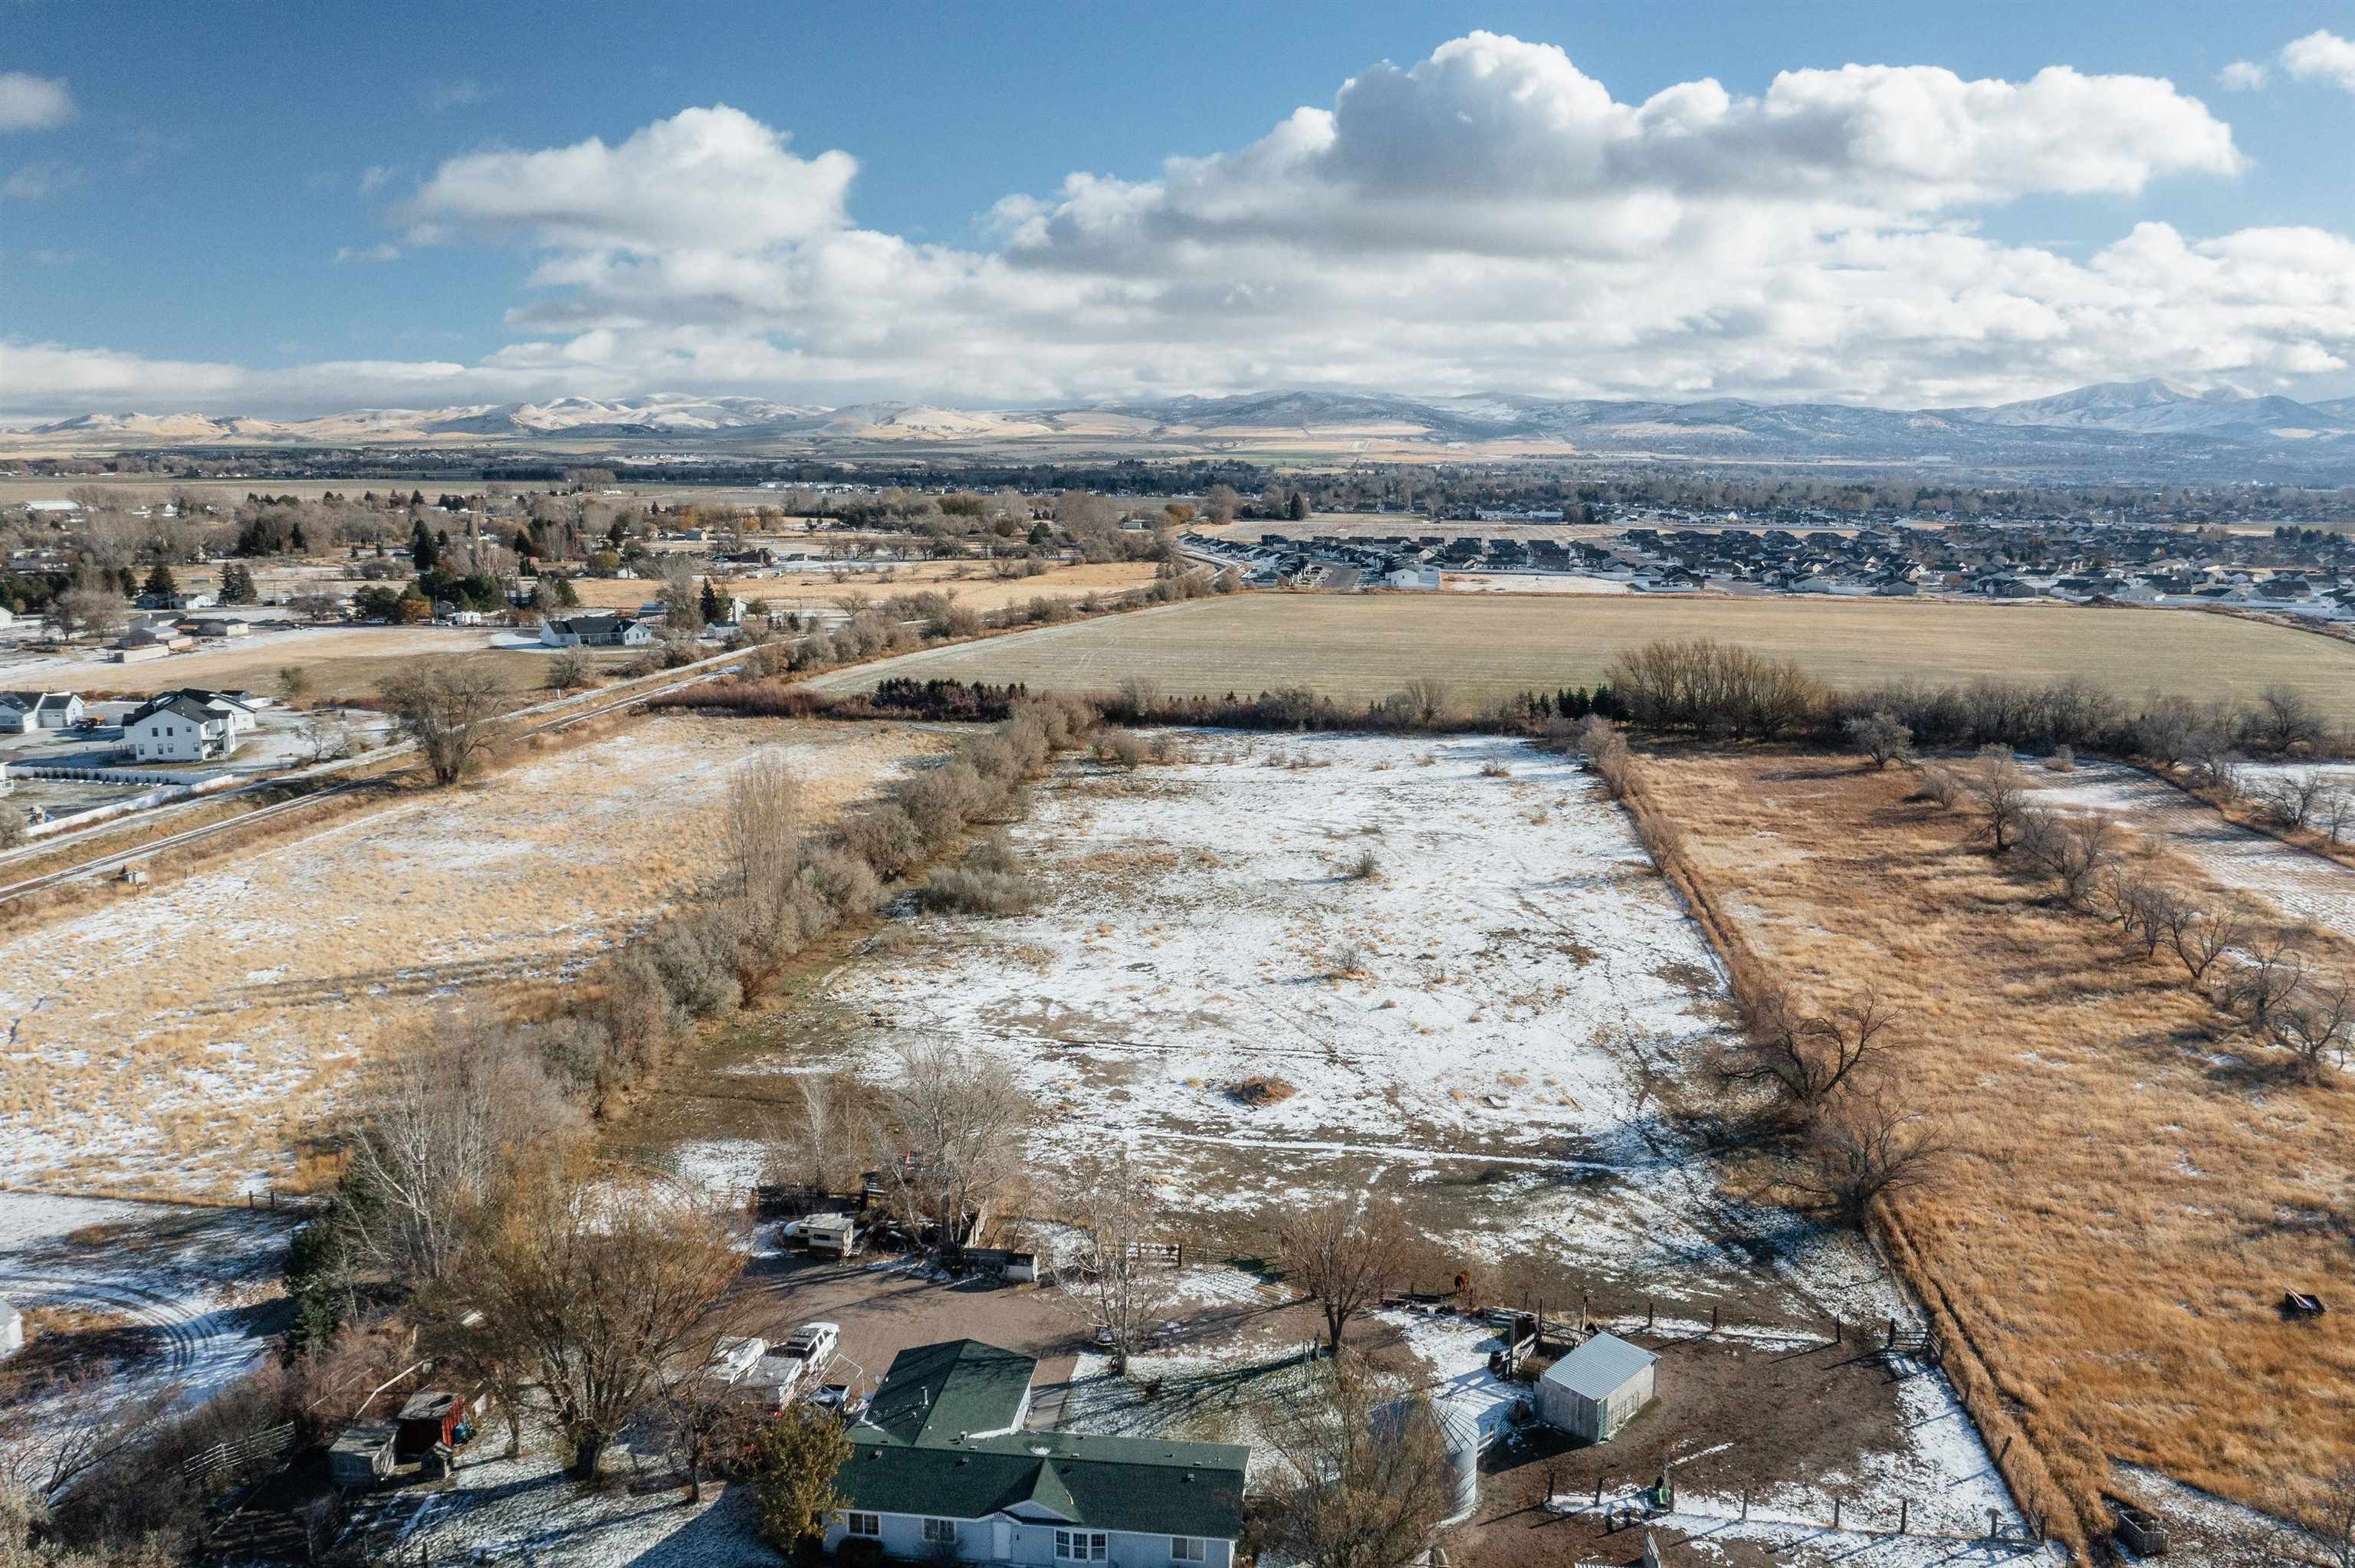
(1033, 1545)
(167, 738)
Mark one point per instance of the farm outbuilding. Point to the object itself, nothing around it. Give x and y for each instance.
(431, 1416)
(1597, 1389)
(363, 1455)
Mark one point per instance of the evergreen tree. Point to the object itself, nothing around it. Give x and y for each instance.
(1296, 507)
(709, 603)
(294, 540)
(567, 597)
(237, 584)
(424, 551)
(319, 1282)
(160, 582)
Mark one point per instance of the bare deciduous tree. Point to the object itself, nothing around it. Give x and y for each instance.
(1865, 1148)
(1882, 737)
(451, 712)
(2163, 732)
(2319, 1514)
(1117, 1280)
(949, 1139)
(1999, 786)
(2285, 720)
(2201, 937)
(2072, 850)
(1361, 1478)
(2215, 762)
(1343, 1252)
(1806, 1057)
(442, 1129)
(761, 828)
(600, 1280)
(2272, 969)
(814, 1141)
(2314, 1027)
(2294, 798)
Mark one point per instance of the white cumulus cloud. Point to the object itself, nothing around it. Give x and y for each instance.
(30, 102)
(2241, 76)
(714, 177)
(2321, 54)
(1490, 216)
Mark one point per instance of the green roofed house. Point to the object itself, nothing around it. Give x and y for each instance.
(940, 1467)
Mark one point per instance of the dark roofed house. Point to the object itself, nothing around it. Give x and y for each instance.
(940, 1466)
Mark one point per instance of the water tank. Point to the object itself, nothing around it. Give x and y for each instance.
(1459, 1437)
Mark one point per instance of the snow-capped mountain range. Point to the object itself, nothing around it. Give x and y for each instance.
(2119, 418)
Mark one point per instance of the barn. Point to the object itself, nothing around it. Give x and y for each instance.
(1597, 1389)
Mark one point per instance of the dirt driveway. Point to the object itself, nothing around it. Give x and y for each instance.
(886, 1305)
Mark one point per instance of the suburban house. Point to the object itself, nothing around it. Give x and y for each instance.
(21, 712)
(596, 631)
(188, 725)
(940, 1467)
(216, 625)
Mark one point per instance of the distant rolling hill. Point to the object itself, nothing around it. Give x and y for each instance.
(2113, 427)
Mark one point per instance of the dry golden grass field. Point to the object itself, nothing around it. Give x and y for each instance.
(340, 662)
(1362, 646)
(968, 583)
(2137, 1184)
(191, 1037)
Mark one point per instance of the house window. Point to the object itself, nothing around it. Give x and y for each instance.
(1079, 1546)
(866, 1524)
(1186, 1548)
(939, 1533)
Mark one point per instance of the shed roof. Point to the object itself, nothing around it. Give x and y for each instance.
(1600, 1367)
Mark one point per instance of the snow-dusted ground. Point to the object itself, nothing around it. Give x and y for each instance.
(188, 1038)
(526, 1511)
(2302, 885)
(1490, 1020)
(188, 1275)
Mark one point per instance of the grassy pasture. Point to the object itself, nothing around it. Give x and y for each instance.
(1357, 647)
(2135, 1184)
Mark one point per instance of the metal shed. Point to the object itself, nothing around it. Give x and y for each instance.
(363, 1455)
(1596, 1389)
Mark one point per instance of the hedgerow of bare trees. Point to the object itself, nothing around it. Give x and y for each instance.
(1715, 689)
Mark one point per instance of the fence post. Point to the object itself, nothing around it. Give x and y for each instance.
(1712, 1317)
(1835, 1505)
(1892, 1333)
(1904, 1515)
(1647, 1311)
(1745, 1505)
(1839, 1329)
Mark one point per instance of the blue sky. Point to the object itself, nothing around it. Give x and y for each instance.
(176, 240)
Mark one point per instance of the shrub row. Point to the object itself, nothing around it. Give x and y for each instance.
(728, 944)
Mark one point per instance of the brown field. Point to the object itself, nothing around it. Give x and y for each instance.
(968, 583)
(1360, 646)
(191, 1037)
(2136, 1185)
(341, 662)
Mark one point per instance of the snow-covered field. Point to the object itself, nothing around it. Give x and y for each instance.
(190, 1280)
(1488, 1021)
(2301, 885)
(188, 1038)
